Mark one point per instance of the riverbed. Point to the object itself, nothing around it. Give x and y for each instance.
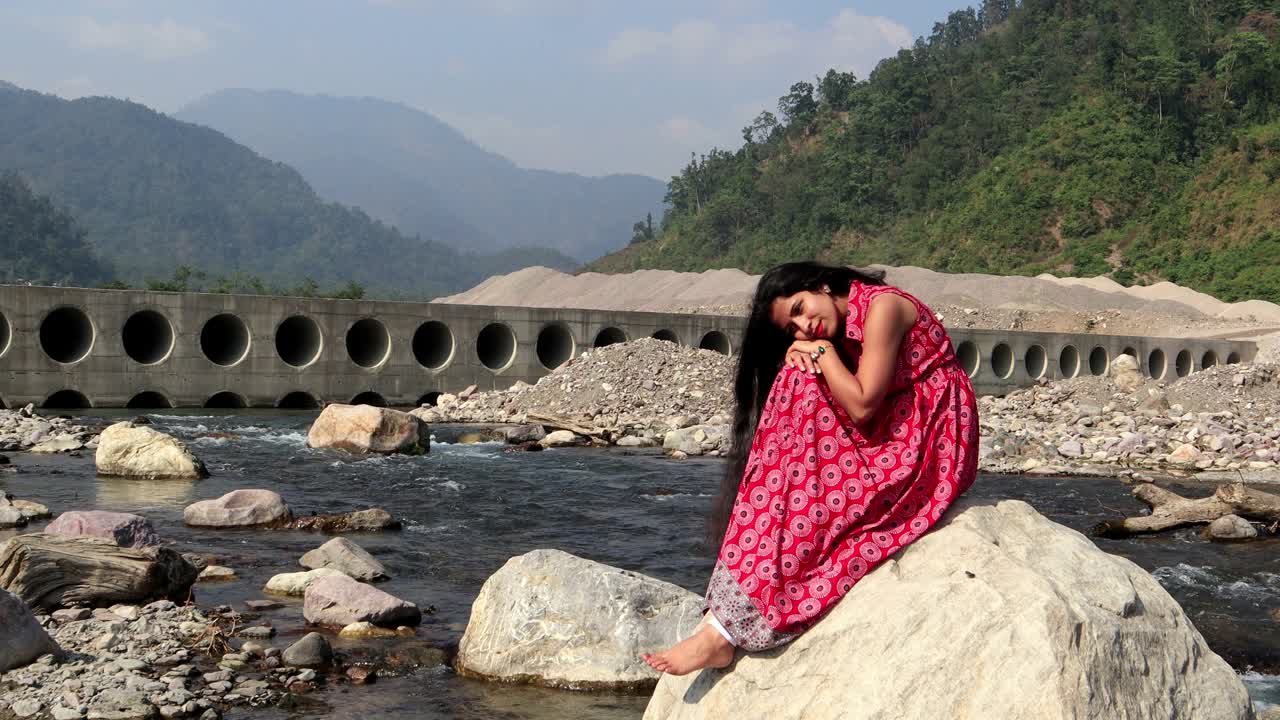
(467, 508)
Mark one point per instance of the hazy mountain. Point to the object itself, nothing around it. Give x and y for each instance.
(152, 193)
(409, 169)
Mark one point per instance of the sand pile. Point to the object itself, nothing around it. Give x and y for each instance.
(1044, 303)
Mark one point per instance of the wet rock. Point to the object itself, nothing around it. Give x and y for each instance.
(367, 429)
(365, 630)
(311, 651)
(360, 675)
(32, 510)
(296, 583)
(559, 438)
(965, 617)
(560, 620)
(1231, 527)
(524, 434)
(346, 557)
(124, 529)
(24, 639)
(11, 517)
(57, 445)
(239, 508)
(262, 605)
(127, 450)
(216, 573)
(340, 601)
(370, 520)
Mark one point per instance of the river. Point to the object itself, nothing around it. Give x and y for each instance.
(467, 508)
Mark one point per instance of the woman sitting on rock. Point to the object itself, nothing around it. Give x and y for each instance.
(855, 429)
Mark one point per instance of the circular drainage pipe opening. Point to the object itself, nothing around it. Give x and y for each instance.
(369, 398)
(226, 400)
(969, 358)
(609, 336)
(147, 336)
(1002, 361)
(666, 335)
(224, 339)
(430, 399)
(433, 345)
(555, 346)
(1183, 363)
(716, 341)
(368, 343)
(1156, 364)
(66, 400)
(298, 340)
(1208, 360)
(496, 346)
(148, 400)
(1233, 358)
(299, 400)
(1099, 361)
(66, 335)
(5, 333)
(1036, 361)
(1069, 362)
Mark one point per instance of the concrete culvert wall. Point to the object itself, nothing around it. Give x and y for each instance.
(1208, 360)
(1036, 361)
(431, 398)
(369, 398)
(224, 339)
(1002, 360)
(1069, 362)
(666, 336)
(1099, 361)
(968, 356)
(66, 335)
(298, 340)
(66, 400)
(609, 336)
(717, 341)
(554, 346)
(1182, 365)
(148, 400)
(433, 345)
(368, 343)
(1157, 364)
(226, 400)
(5, 333)
(147, 337)
(496, 346)
(299, 400)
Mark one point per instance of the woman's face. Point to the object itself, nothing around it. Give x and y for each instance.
(809, 315)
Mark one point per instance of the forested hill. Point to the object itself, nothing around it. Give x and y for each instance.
(40, 242)
(408, 168)
(1136, 138)
(152, 193)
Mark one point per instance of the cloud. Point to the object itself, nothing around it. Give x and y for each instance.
(161, 40)
(847, 41)
(488, 7)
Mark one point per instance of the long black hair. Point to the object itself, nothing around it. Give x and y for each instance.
(760, 358)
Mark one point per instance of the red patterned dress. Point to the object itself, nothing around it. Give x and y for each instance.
(823, 501)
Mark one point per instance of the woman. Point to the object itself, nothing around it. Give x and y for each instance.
(855, 429)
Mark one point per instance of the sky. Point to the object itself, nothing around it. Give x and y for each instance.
(593, 87)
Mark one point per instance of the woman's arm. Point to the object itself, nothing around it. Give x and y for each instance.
(889, 318)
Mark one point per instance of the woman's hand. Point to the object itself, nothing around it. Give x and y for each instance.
(802, 354)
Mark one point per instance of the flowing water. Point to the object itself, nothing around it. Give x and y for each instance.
(467, 508)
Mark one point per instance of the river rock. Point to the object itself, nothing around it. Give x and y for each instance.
(1231, 527)
(11, 517)
(341, 601)
(370, 520)
(348, 558)
(117, 704)
(368, 429)
(560, 620)
(997, 613)
(32, 510)
(296, 583)
(1125, 373)
(559, 438)
(695, 439)
(310, 652)
(52, 571)
(24, 639)
(524, 434)
(128, 450)
(56, 445)
(216, 573)
(239, 508)
(124, 529)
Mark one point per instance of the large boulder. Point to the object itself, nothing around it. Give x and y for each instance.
(24, 639)
(124, 529)
(1126, 374)
(368, 520)
(239, 508)
(369, 429)
(555, 619)
(52, 571)
(340, 601)
(346, 557)
(997, 613)
(128, 450)
(696, 439)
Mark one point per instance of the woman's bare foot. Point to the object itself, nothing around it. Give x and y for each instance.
(706, 648)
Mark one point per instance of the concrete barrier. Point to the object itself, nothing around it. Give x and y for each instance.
(72, 347)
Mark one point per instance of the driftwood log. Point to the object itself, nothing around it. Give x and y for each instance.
(563, 423)
(1171, 510)
(52, 571)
